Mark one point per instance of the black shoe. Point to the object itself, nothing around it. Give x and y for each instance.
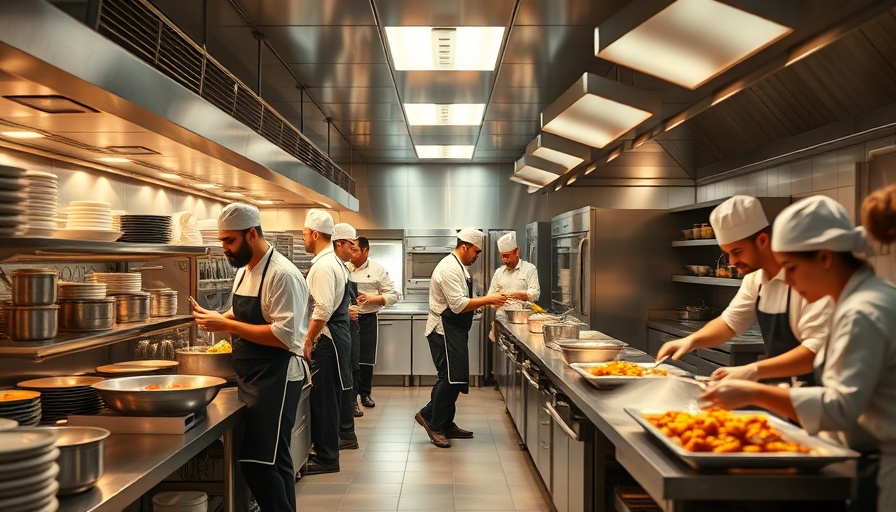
(436, 436)
(314, 466)
(366, 401)
(455, 432)
(358, 412)
(348, 444)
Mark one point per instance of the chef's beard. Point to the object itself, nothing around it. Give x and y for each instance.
(241, 257)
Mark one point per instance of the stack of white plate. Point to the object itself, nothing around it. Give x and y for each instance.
(42, 189)
(12, 196)
(118, 283)
(116, 219)
(21, 405)
(28, 470)
(61, 396)
(81, 291)
(89, 220)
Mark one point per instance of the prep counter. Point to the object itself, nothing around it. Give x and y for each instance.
(135, 463)
(670, 482)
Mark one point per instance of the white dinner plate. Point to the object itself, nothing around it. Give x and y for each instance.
(15, 444)
(89, 234)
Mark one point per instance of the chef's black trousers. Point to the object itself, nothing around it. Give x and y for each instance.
(274, 485)
(326, 396)
(347, 406)
(442, 406)
(368, 330)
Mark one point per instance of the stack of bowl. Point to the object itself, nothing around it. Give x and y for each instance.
(84, 307)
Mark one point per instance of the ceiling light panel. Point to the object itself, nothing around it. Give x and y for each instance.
(688, 42)
(457, 114)
(435, 151)
(21, 135)
(558, 150)
(444, 48)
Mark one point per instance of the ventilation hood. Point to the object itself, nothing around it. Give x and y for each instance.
(138, 113)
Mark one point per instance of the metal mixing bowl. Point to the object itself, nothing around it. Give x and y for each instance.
(129, 395)
(588, 351)
(80, 457)
(554, 331)
(196, 361)
(517, 315)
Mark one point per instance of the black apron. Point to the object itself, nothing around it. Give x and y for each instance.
(777, 334)
(368, 325)
(261, 371)
(340, 330)
(457, 331)
(355, 328)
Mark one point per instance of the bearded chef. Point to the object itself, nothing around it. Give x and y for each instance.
(517, 279)
(267, 322)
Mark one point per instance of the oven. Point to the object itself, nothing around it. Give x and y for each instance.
(424, 249)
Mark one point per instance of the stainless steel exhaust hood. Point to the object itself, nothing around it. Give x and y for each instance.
(44, 52)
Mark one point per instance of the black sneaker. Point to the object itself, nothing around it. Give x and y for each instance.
(348, 444)
(358, 412)
(315, 466)
(436, 436)
(366, 401)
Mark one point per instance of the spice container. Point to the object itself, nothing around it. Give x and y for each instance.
(696, 233)
(706, 231)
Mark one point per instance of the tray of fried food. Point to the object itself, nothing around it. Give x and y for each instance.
(732, 439)
(616, 373)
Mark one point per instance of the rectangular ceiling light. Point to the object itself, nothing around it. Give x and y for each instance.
(444, 49)
(595, 111)
(430, 114)
(456, 152)
(532, 171)
(52, 104)
(558, 150)
(688, 42)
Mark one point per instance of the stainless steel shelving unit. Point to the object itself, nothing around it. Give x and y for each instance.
(716, 281)
(29, 250)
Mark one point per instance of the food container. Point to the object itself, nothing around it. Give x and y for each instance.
(706, 231)
(176, 395)
(688, 233)
(80, 459)
(131, 308)
(697, 312)
(86, 315)
(517, 315)
(700, 270)
(590, 351)
(696, 233)
(554, 331)
(33, 323)
(34, 287)
(196, 361)
(537, 320)
(163, 303)
(180, 501)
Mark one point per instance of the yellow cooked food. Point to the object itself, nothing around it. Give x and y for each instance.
(163, 387)
(221, 347)
(624, 369)
(722, 431)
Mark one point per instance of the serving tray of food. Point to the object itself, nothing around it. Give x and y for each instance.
(738, 439)
(615, 373)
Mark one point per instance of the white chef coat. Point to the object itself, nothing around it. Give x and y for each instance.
(284, 302)
(327, 278)
(809, 322)
(522, 278)
(447, 289)
(372, 279)
(855, 403)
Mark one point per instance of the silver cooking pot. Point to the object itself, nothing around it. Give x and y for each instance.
(197, 361)
(86, 315)
(554, 331)
(34, 287)
(33, 323)
(80, 459)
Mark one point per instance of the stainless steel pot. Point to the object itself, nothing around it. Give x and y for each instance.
(517, 315)
(81, 451)
(86, 315)
(33, 323)
(587, 351)
(131, 308)
(176, 394)
(196, 361)
(34, 287)
(537, 320)
(554, 331)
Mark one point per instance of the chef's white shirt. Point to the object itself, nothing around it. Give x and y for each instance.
(521, 278)
(447, 289)
(284, 302)
(808, 322)
(372, 279)
(327, 278)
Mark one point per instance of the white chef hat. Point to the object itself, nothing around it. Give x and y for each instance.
(472, 235)
(237, 217)
(815, 223)
(737, 218)
(344, 231)
(319, 220)
(507, 242)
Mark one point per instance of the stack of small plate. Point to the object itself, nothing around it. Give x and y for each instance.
(152, 229)
(12, 195)
(61, 396)
(81, 291)
(139, 367)
(89, 220)
(21, 405)
(118, 283)
(28, 470)
(162, 302)
(42, 189)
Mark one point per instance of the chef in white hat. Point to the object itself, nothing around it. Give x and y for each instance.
(329, 341)
(792, 328)
(855, 400)
(345, 246)
(451, 309)
(267, 322)
(517, 279)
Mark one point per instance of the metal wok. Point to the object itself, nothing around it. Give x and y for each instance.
(176, 394)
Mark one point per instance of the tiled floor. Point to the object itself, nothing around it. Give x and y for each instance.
(398, 468)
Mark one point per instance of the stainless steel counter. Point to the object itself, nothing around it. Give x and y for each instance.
(406, 308)
(750, 343)
(135, 463)
(668, 480)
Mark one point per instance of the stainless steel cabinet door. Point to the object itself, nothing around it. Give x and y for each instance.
(393, 353)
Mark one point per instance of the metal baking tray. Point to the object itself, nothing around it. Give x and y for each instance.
(822, 453)
(613, 381)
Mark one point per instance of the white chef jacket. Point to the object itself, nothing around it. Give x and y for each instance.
(284, 302)
(809, 322)
(327, 278)
(522, 278)
(372, 279)
(855, 403)
(447, 289)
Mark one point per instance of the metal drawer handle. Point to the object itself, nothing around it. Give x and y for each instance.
(562, 424)
(530, 378)
(385, 323)
(545, 446)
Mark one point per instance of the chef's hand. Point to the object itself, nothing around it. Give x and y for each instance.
(675, 348)
(371, 299)
(306, 350)
(746, 372)
(353, 312)
(211, 321)
(196, 307)
(496, 299)
(729, 394)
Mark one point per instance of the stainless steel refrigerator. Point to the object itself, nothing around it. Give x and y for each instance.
(607, 267)
(537, 251)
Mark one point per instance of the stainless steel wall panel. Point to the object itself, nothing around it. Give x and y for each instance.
(344, 75)
(341, 44)
(309, 12)
(387, 176)
(357, 111)
(548, 44)
(566, 12)
(358, 94)
(435, 87)
(385, 207)
(472, 206)
(428, 175)
(474, 175)
(640, 198)
(427, 207)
